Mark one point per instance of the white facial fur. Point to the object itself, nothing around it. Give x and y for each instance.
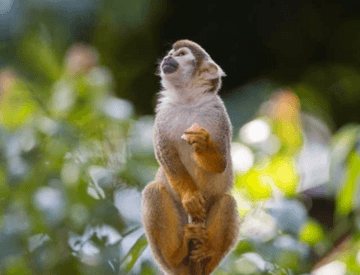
(182, 76)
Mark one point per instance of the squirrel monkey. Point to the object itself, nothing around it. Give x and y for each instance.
(192, 144)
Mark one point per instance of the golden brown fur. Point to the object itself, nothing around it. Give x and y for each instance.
(195, 174)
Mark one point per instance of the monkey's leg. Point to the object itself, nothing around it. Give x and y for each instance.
(166, 228)
(221, 233)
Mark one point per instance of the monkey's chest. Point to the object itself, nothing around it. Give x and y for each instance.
(179, 120)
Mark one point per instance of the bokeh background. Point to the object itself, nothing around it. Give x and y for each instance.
(77, 97)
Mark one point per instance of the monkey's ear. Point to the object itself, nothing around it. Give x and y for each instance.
(211, 70)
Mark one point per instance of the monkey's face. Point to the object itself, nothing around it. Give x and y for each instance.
(178, 65)
(189, 71)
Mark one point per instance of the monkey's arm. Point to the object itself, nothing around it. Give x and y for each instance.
(179, 178)
(211, 159)
(209, 154)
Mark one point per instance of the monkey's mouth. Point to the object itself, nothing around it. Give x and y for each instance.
(169, 65)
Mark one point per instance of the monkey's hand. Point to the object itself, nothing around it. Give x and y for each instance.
(202, 249)
(194, 205)
(198, 137)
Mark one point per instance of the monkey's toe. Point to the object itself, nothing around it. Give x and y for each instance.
(201, 253)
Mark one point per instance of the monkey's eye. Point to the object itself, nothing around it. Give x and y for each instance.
(180, 54)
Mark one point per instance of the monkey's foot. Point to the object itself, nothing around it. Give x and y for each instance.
(201, 251)
(198, 137)
(194, 232)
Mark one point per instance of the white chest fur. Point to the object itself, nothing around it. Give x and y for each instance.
(176, 118)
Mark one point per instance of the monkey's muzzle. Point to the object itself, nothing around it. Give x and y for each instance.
(169, 65)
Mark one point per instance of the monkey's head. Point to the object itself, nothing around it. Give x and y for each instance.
(188, 68)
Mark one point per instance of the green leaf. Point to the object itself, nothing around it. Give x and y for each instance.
(345, 196)
(344, 141)
(243, 246)
(39, 52)
(311, 233)
(134, 254)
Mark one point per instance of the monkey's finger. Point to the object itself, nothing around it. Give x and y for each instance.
(200, 131)
(195, 139)
(196, 203)
(199, 148)
(189, 132)
(204, 131)
(195, 208)
(200, 258)
(198, 200)
(197, 215)
(191, 236)
(190, 139)
(194, 231)
(194, 211)
(202, 212)
(198, 212)
(201, 241)
(197, 256)
(200, 215)
(191, 204)
(194, 237)
(199, 135)
(199, 206)
(202, 199)
(190, 227)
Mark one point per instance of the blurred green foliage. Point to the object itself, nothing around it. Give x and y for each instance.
(273, 156)
(66, 154)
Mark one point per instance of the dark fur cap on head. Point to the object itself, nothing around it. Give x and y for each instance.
(197, 51)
